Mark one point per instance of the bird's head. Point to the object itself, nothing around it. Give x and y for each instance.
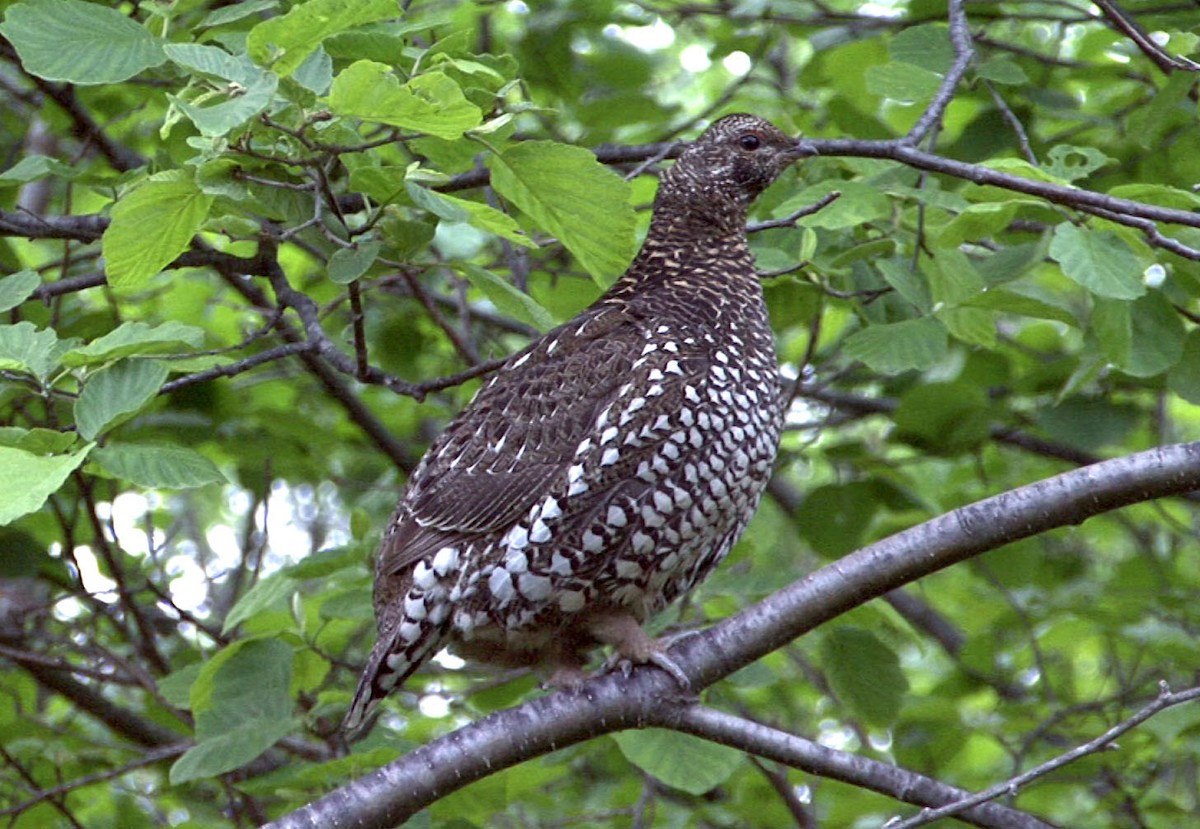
(729, 165)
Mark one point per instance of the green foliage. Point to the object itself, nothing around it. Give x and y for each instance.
(248, 250)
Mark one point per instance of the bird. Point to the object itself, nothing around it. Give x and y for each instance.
(604, 470)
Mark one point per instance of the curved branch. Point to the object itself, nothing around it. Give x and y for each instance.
(614, 702)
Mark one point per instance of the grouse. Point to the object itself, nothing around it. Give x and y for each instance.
(607, 468)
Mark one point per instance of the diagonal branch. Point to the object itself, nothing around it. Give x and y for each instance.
(614, 702)
(901, 784)
(960, 40)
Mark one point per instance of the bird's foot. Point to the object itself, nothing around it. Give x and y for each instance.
(634, 646)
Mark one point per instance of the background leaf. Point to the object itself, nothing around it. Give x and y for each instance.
(566, 191)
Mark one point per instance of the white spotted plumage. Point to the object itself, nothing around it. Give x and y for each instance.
(593, 481)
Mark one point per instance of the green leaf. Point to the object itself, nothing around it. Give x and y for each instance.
(1099, 261)
(136, 339)
(1088, 424)
(1012, 302)
(267, 592)
(17, 288)
(176, 687)
(864, 673)
(927, 46)
(682, 761)
(1167, 106)
(27, 480)
(899, 346)
(348, 264)
(834, 518)
(242, 704)
(38, 441)
(283, 43)
(34, 167)
(859, 203)
(174, 207)
(572, 196)
(1002, 70)
(909, 284)
(507, 298)
(903, 82)
(943, 418)
(430, 103)
(1069, 162)
(77, 42)
(1184, 377)
(476, 214)
(1158, 336)
(114, 394)
(158, 467)
(979, 221)
(248, 89)
(25, 347)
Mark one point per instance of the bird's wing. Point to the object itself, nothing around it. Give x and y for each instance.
(498, 457)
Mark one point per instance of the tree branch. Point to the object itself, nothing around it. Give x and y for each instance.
(614, 702)
(797, 752)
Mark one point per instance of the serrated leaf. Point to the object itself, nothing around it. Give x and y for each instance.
(1099, 261)
(114, 394)
(77, 42)
(430, 103)
(34, 167)
(283, 43)
(174, 207)
(25, 347)
(899, 346)
(158, 467)
(348, 264)
(27, 480)
(267, 592)
(135, 339)
(508, 298)
(682, 761)
(476, 214)
(248, 89)
(864, 673)
(17, 288)
(574, 197)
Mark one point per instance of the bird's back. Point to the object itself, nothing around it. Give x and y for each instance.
(600, 474)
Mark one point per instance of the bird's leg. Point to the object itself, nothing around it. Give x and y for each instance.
(633, 644)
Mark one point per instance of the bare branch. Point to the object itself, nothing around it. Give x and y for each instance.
(1164, 700)
(797, 752)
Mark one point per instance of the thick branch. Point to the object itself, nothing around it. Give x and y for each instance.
(613, 702)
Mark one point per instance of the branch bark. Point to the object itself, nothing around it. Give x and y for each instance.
(614, 702)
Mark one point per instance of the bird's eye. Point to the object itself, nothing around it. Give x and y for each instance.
(749, 141)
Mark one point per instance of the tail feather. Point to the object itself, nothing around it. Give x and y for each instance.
(393, 660)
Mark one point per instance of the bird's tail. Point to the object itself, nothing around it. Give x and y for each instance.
(393, 660)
